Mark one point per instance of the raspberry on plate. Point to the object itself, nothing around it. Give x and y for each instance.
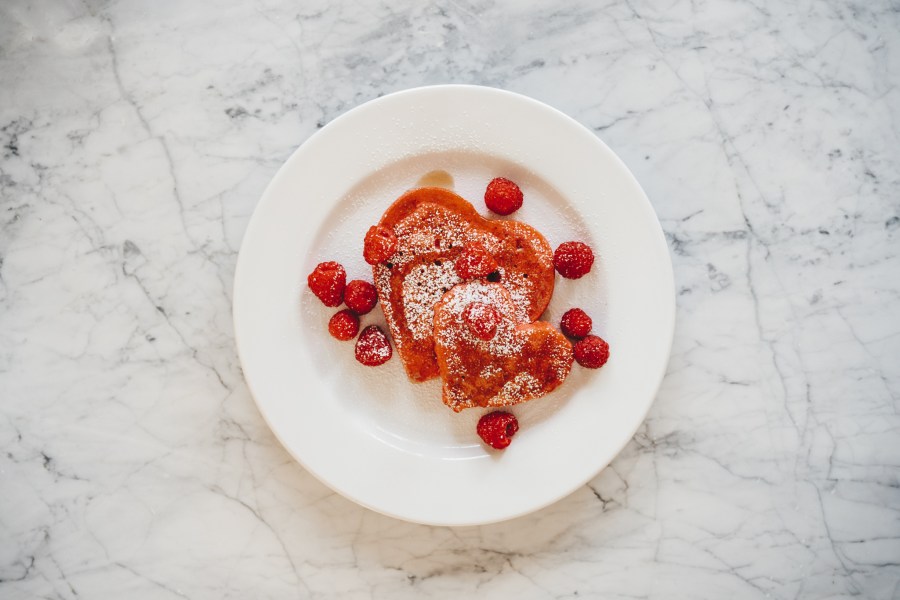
(576, 323)
(343, 325)
(373, 347)
(497, 429)
(379, 244)
(327, 282)
(592, 352)
(502, 196)
(573, 260)
(360, 296)
(482, 320)
(475, 262)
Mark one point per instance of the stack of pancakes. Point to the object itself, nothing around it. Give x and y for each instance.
(423, 299)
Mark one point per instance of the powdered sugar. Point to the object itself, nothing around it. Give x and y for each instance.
(523, 385)
(504, 342)
(434, 230)
(423, 286)
(490, 371)
(520, 290)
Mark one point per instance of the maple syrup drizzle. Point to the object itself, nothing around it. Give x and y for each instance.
(438, 178)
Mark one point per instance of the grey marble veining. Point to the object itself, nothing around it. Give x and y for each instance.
(135, 140)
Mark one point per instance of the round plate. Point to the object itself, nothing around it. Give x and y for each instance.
(371, 434)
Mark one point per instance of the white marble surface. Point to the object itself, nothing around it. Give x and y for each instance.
(135, 139)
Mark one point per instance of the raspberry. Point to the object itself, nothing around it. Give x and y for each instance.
(573, 259)
(482, 320)
(327, 282)
(343, 325)
(592, 352)
(497, 429)
(575, 323)
(360, 296)
(380, 243)
(373, 347)
(475, 262)
(502, 196)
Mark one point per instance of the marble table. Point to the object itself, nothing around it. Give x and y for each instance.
(136, 138)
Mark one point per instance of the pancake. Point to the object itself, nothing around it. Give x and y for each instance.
(522, 361)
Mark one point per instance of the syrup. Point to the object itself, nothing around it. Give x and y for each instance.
(438, 178)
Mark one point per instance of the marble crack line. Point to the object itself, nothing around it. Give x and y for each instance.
(604, 502)
(287, 36)
(158, 584)
(489, 561)
(62, 575)
(28, 569)
(195, 354)
(865, 348)
(847, 570)
(220, 492)
(630, 114)
(734, 156)
(127, 97)
(522, 574)
(726, 569)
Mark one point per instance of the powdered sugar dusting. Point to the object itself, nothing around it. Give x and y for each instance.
(422, 288)
(505, 342)
(523, 385)
(490, 371)
(520, 290)
(382, 277)
(434, 230)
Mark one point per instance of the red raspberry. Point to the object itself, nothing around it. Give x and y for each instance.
(360, 296)
(502, 196)
(482, 320)
(379, 245)
(327, 282)
(344, 325)
(475, 262)
(575, 323)
(373, 347)
(497, 429)
(573, 259)
(592, 352)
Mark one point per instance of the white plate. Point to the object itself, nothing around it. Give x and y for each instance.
(369, 433)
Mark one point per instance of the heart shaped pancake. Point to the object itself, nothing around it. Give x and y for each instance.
(432, 226)
(521, 362)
